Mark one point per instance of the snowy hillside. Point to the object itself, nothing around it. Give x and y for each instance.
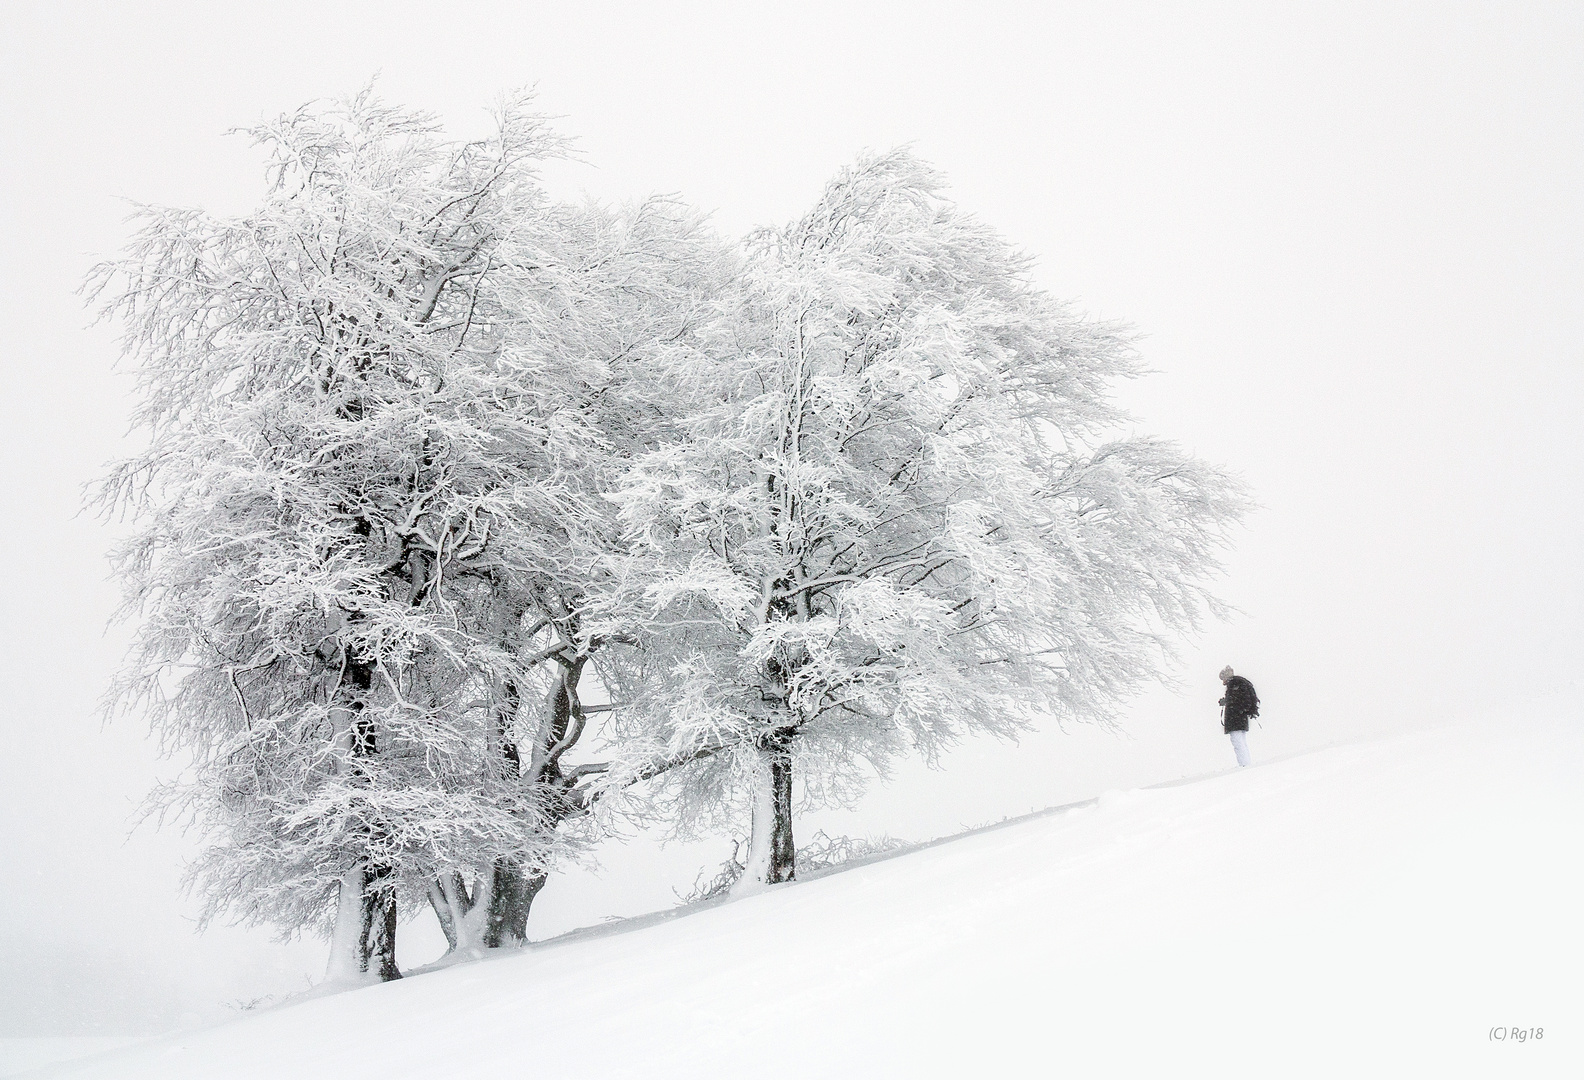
(1371, 910)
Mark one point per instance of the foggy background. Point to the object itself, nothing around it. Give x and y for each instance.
(1350, 236)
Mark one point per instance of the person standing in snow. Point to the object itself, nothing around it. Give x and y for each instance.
(1240, 705)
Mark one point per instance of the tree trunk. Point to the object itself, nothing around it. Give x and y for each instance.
(365, 934)
(506, 919)
(512, 890)
(377, 924)
(448, 896)
(771, 852)
(783, 853)
(510, 901)
(374, 882)
(343, 966)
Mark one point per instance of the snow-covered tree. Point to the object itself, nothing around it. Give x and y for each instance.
(377, 412)
(897, 512)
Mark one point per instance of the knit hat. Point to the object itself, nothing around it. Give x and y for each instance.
(1226, 673)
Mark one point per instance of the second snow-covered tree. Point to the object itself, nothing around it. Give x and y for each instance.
(896, 513)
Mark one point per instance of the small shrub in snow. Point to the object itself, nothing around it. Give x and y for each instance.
(822, 853)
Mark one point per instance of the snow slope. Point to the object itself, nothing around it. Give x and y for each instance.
(1371, 910)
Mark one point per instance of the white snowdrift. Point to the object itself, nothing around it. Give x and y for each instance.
(1370, 910)
(23, 1054)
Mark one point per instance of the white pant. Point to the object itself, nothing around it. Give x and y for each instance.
(1240, 747)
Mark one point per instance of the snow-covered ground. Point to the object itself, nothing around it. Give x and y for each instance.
(20, 1055)
(1381, 909)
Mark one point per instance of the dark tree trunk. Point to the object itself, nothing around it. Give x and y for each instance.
(377, 923)
(377, 897)
(505, 717)
(514, 890)
(506, 922)
(783, 851)
(510, 902)
(359, 677)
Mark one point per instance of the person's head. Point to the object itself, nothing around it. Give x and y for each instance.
(1226, 673)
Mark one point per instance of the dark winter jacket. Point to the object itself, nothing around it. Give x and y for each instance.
(1241, 704)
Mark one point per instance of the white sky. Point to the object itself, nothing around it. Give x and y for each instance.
(1351, 233)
